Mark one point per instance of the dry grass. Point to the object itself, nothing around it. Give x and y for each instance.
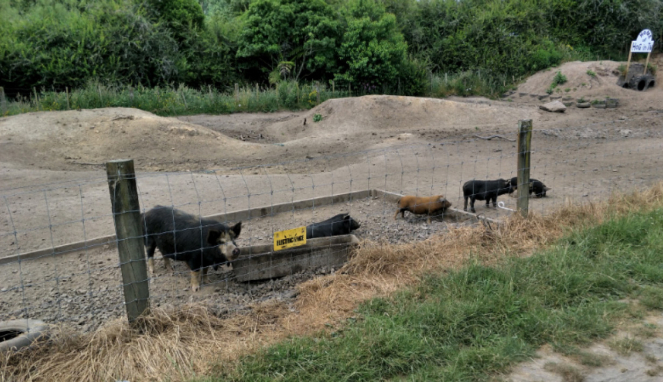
(178, 344)
(567, 372)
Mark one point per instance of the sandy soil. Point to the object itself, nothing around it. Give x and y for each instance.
(53, 186)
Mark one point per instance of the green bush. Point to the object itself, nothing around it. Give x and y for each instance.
(375, 46)
(179, 15)
(372, 52)
(559, 79)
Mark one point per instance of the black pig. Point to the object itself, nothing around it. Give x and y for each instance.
(535, 186)
(341, 224)
(180, 236)
(485, 190)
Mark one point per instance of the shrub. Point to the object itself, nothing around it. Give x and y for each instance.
(591, 73)
(622, 70)
(559, 79)
(652, 69)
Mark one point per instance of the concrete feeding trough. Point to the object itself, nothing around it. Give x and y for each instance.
(260, 262)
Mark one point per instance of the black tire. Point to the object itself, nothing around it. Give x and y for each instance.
(20, 333)
(640, 83)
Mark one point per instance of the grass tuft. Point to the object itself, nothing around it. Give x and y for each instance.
(626, 346)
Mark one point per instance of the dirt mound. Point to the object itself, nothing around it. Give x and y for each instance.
(73, 138)
(379, 113)
(592, 80)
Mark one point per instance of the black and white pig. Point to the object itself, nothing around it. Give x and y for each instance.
(199, 242)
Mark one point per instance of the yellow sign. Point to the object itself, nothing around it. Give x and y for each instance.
(289, 238)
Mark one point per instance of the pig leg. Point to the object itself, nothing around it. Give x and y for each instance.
(205, 277)
(150, 256)
(472, 200)
(167, 265)
(195, 281)
(465, 207)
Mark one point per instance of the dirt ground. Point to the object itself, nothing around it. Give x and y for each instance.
(635, 354)
(53, 185)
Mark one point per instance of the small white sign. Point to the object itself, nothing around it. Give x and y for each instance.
(644, 43)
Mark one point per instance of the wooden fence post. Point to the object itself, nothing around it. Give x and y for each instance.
(236, 93)
(524, 151)
(66, 93)
(333, 88)
(3, 101)
(129, 233)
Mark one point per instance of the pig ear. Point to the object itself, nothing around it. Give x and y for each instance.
(237, 229)
(213, 237)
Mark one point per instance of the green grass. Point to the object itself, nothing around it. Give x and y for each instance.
(182, 100)
(626, 346)
(478, 321)
(173, 100)
(469, 83)
(559, 79)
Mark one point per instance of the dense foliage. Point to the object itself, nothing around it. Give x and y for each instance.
(394, 46)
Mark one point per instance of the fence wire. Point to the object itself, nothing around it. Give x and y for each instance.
(58, 253)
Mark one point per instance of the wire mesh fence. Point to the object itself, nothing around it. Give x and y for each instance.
(58, 252)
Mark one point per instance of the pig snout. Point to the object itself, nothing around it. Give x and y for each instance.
(235, 253)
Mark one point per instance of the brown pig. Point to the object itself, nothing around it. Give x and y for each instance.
(420, 205)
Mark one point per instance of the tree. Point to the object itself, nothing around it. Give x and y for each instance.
(179, 15)
(373, 51)
(280, 32)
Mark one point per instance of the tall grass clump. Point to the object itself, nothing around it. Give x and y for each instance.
(468, 83)
(177, 100)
